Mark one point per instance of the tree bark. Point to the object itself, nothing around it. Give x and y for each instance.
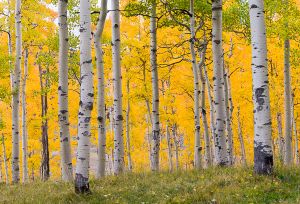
(288, 155)
(263, 155)
(280, 138)
(101, 90)
(241, 140)
(220, 142)
(5, 160)
(63, 115)
(45, 167)
(197, 148)
(86, 101)
(155, 90)
(176, 146)
(208, 158)
(295, 132)
(228, 120)
(212, 118)
(16, 96)
(128, 128)
(169, 142)
(118, 115)
(24, 121)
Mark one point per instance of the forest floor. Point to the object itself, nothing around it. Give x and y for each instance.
(216, 185)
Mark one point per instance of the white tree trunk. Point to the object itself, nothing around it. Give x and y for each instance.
(228, 120)
(176, 142)
(219, 103)
(198, 148)
(155, 90)
(101, 90)
(169, 142)
(263, 155)
(212, 118)
(280, 138)
(5, 161)
(24, 121)
(16, 97)
(288, 155)
(128, 128)
(86, 101)
(118, 115)
(63, 115)
(295, 132)
(11, 74)
(203, 107)
(241, 140)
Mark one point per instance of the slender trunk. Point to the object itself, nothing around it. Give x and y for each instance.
(288, 155)
(241, 140)
(5, 160)
(1, 171)
(10, 47)
(101, 90)
(45, 168)
(212, 118)
(128, 128)
(86, 101)
(295, 134)
(280, 138)
(118, 128)
(197, 148)
(24, 121)
(263, 155)
(208, 159)
(63, 115)
(220, 142)
(228, 121)
(148, 138)
(155, 90)
(169, 142)
(16, 97)
(176, 146)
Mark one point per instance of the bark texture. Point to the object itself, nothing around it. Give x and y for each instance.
(155, 90)
(219, 103)
(24, 121)
(63, 115)
(44, 83)
(128, 146)
(86, 101)
(288, 155)
(117, 78)
(101, 90)
(208, 158)
(198, 148)
(263, 155)
(16, 97)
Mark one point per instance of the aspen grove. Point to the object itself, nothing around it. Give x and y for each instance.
(97, 89)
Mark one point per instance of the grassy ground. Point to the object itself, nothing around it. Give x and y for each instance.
(232, 185)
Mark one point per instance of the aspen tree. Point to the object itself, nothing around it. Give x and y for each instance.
(219, 103)
(198, 148)
(16, 97)
(263, 155)
(63, 94)
(101, 90)
(155, 89)
(86, 101)
(117, 78)
(24, 119)
(288, 153)
(128, 146)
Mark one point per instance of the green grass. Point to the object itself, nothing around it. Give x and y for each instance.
(216, 185)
